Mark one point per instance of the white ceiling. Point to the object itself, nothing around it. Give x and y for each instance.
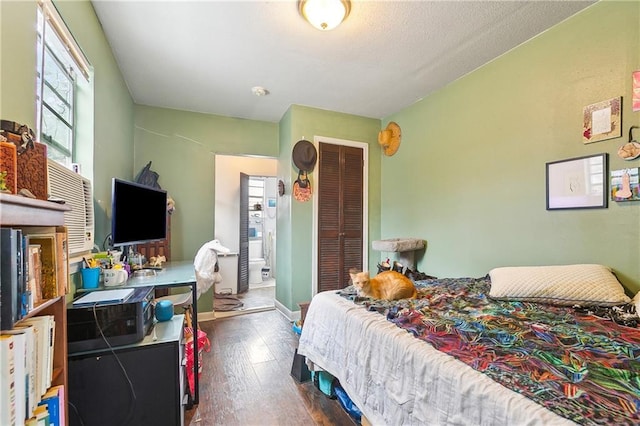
(205, 56)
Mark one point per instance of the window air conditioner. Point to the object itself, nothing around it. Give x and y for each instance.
(75, 190)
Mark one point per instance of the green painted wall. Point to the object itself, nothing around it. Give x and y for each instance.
(18, 62)
(295, 219)
(181, 146)
(469, 176)
(284, 240)
(113, 120)
(113, 106)
(113, 110)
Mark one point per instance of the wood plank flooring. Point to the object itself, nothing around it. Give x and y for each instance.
(246, 377)
(259, 297)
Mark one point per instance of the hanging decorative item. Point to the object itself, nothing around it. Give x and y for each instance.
(280, 188)
(389, 138)
(630, 150)
(302, 187)
(304, 155)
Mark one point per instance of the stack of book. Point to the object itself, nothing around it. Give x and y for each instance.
(33, 268)
(26, 366)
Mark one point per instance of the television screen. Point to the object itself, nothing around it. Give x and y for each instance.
(138, 213)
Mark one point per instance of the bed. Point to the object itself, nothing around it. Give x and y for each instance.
(477, 351)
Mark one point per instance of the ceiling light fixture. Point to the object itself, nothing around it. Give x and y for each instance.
(325, 15)
(259, 91)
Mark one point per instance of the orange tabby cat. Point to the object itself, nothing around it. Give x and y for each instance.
(389, 285)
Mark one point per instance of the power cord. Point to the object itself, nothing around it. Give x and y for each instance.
(124, 371)
(75, 410)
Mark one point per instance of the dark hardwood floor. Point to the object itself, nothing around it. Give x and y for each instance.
(246, 379)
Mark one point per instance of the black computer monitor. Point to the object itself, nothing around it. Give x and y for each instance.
(138, 213)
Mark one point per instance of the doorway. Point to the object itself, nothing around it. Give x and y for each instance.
(245, 222)
(256, 261)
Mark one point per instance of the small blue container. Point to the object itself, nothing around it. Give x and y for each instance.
(164, 310)
(90, 277)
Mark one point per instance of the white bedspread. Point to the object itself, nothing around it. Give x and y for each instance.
(396, 379)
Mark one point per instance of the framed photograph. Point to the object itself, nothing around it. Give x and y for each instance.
(578, 183)
(625, 184)
(602, 120)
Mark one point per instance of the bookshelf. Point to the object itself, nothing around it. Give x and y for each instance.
(22, 212)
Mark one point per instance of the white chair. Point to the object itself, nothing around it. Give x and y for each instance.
(207, 275)
(179, 300)
(206, 265)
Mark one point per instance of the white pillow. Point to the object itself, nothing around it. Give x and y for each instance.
(584, 285)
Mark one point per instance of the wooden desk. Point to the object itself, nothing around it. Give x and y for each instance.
(102, 382)
(172, 274)
(176, 274)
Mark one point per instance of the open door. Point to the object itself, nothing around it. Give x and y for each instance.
(243, 253)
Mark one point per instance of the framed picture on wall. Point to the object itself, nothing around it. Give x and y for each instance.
(578, 183)
(625, 184)
(602, 120)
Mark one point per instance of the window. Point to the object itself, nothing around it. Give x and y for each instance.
(62, 68)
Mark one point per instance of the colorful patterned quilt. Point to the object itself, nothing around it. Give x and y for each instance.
(580, 366)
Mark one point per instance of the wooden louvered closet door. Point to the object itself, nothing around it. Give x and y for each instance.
(340, 213)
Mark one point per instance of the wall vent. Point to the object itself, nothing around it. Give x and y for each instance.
(75, 190)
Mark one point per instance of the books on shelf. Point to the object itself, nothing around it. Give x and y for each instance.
(30, 363)
(48, 262)
(54, 259)
(44, 330)
(28, 320)
(9, 289)
(34, 285)
(26, 361)
(21, 374)
(62, 260)
(40, 417)
(34, 267)
(7, 381)
(53, 400)
(14, 297)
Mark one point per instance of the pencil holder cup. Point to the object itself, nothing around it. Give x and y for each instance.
(90, 277)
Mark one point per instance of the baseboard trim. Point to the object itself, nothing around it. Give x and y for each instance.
(206, 316)
(290, 315)
(234, 313)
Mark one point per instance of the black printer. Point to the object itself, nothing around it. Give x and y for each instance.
(120, 316)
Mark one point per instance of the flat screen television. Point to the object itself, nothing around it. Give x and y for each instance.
(138, 213)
